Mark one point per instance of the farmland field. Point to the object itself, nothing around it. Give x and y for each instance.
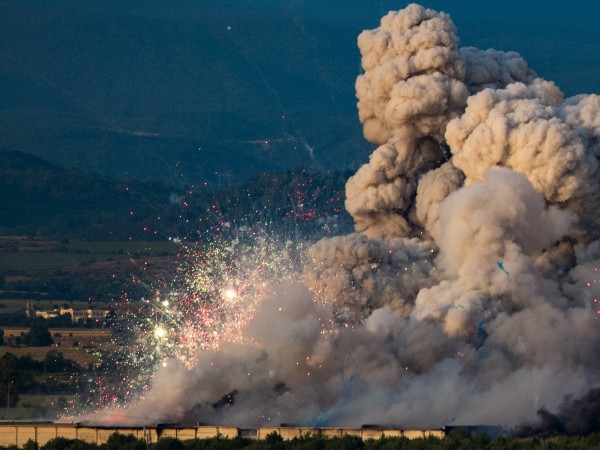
(36, 407)
(31, 254)
(83, 346)
(99, 271)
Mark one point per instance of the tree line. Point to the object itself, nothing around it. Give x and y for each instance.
(55, 374)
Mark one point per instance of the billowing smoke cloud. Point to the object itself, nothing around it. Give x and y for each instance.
(355, 274)
(533, 130)
(467, 294)
(415, 81)
(500, 221)
(411, 87)
(576, 416)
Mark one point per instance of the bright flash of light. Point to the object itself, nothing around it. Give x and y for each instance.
(229, 294)
(196, 311)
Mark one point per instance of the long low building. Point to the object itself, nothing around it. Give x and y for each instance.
(18, 433)
(77, 315)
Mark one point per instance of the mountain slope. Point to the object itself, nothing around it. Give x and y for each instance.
(130, 96)
(45, 199)
(187, 91)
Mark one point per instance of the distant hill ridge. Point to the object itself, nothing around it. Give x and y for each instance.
(41, 198)
(182, 91)
(129, 95)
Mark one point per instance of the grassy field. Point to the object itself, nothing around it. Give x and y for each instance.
(18, 253)
(129, 247)
(81, 356)
(51, 260)
(36, 407)
(83, 346)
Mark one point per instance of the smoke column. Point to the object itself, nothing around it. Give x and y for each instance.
(466, 294)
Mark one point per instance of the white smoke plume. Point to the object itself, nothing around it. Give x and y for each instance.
(468, 293)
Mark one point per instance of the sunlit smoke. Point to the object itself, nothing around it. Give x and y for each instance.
(468, 293)
(207, 306)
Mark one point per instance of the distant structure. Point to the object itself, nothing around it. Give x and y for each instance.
(18, 433)
(77, 315)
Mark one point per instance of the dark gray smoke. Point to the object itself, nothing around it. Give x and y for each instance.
(575, 417)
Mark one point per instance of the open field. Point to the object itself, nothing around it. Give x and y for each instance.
(36, 268)
(30, 254)
(83, 334)
(81, 356)
(82, 346)
(51, 260)
(36, 407)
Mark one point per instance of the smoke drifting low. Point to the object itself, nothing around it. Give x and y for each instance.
(467, 293)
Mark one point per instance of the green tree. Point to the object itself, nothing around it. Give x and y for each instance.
(344, 443)
(118, 441)
(31, 445)
(38, 335)
(63, 321)
(58, 443)
(168, 443)
(55, 362)
(8, 386)
(274, 441)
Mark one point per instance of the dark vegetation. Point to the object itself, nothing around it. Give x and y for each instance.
(177, 96)
(42, 199)
(38, 335)
(457, 440)
(73, 236)
(55, 374)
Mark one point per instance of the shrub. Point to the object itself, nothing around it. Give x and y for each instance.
(168, 443)
(118, 441)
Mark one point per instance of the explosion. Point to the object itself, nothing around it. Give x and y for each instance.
(466, 294)
(207, 306)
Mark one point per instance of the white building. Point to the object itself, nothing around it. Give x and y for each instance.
(77, 315)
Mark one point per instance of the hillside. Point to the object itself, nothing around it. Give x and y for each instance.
(67, 234)
(131, 95)
(38, 198)
(186, 92)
